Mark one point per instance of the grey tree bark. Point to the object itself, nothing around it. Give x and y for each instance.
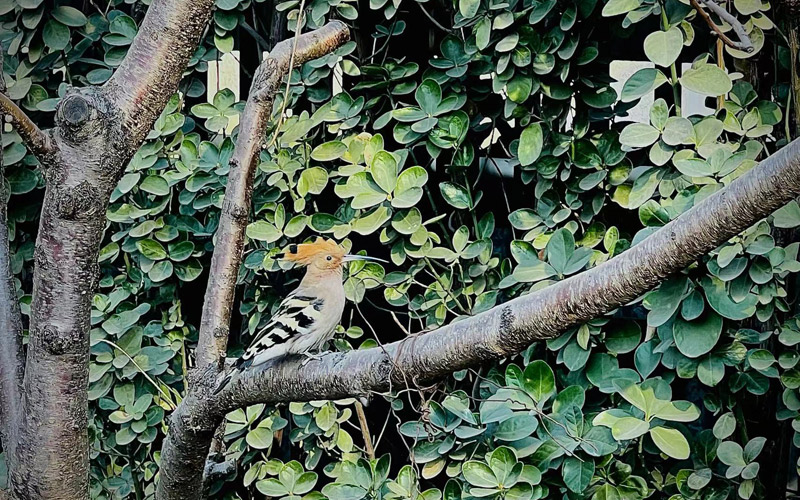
(99, 129)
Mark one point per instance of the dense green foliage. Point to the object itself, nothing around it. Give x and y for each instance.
(672, 397)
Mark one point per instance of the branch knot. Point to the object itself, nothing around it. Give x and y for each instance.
(83, 202)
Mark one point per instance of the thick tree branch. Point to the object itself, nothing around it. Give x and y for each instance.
(511, 327)
(502, 331)
(744, 42)
(37, 141)
(229, 243)
(154, 65)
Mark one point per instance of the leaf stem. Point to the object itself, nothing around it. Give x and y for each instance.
(676, 96)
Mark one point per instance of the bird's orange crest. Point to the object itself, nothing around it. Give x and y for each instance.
(305, 253)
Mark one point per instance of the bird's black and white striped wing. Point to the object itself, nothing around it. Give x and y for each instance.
(296, 317)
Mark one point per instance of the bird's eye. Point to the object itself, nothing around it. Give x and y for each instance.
(329, 257)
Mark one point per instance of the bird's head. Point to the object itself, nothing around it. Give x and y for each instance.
(320, 255)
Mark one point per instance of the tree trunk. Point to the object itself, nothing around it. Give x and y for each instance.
(52, 455)
(98, 130)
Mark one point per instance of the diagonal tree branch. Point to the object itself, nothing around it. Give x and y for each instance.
(504, 330)
(184, 478)
(229, 243)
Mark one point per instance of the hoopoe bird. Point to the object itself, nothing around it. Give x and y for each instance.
(308, 316)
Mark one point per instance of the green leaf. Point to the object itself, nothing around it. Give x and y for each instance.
(731, 454)
(479, 474)
(508, 43)
(665, 300)
(753, 448)
(664, 47)
(671, 442)
(336, 491)
(384, 171)
(155, 184)
(22, 180)
(641, 83)
(160, 271)
(539, 381)
(313, 180)
(519, 88)
(455, 195)
(409, 187)
(626, 428)
(747, 7)
(724, 426)
(55, 35)
(524, 219)
(260, 438)
(720, 300)
(623, 337)
(530, 144)
(151, 249)
(645, 359)
(458, 403)
(69, 16)
(516, 427)
(271, 487)
(634, 395)
(328, 151)
(483, 31)
(707, 79)
(262, 230)
(638, 135)
(326, 417)
(787, 216)
(697, 337)
(428, 96)
(468, 8)
(678, 130)
(711, 370)
(677, 411)
(617, 7)
(577, 474)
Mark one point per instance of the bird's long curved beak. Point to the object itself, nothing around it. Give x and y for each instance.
(352, 257)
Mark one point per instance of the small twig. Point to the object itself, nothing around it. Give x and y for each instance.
(720, 65)
(744, 42)
(166, 396)
(397, 321)
(137, 485)
(37, 141)
(383, 429)
(429, 16)
(285, 102)
(262, 43)
(362, 422)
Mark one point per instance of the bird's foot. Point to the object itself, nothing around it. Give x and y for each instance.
(309, 356)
